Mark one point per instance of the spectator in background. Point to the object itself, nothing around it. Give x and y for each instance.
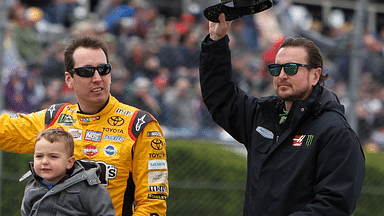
(16, 93)
(161, 84)
(53, 95)
(36, 86)
(169, 35)
(178, 101)
(248, 75)
(118, 89)
(244, 33)
(127, 28)
(207, 127)
(182, 72)
(146, 17)
(12, 58)
(60, 12)
(122, 76)
(170, 53)
(25, 35)
(370, 111)
(237, 33)
(135, 54)
(53, 65)
(142, 98)
(191, 44)
(374, 58)
(376, 138)
(104, 8)
(185, 24)
(113, 11)
(24, 90)
(151, 67)
(250, 33)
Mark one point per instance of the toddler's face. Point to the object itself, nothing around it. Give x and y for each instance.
(51, 160)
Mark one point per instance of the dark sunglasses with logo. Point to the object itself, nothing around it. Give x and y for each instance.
(89, 71)
(289, 68)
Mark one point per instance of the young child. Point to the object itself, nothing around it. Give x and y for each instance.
(61, 185)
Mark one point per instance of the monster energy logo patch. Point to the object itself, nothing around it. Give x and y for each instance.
(309, 140)
(65, 120)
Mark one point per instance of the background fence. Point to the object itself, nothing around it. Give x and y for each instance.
(205, 178)
(154, 54)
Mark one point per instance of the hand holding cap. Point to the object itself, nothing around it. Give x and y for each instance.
(239, 9)
(220, 29)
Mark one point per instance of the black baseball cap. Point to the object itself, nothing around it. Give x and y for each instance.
(234, 9)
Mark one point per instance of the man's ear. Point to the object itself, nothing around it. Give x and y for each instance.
(71, 161)
(315, 75)
(68, 80)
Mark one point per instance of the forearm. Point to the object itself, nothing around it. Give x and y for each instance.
(215, 70)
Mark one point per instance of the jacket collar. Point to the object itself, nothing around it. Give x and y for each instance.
(320, 100)
(329, 101)
(80, 166)
(110, 103)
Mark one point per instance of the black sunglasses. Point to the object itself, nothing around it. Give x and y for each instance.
(89, 71)
(289, 68)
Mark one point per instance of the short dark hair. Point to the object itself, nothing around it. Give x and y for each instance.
(58, 135)
(314, 57)
(85, 41)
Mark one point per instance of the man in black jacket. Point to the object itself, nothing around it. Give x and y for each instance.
(303, 157)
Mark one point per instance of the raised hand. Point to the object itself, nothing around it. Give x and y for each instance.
(220, 29)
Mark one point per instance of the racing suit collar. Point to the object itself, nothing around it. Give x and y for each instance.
(80, 111)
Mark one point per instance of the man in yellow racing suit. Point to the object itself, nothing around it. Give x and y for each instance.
(126, 142)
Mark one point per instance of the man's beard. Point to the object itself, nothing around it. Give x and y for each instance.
(295, 96)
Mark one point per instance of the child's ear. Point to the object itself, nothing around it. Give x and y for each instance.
(71, 161)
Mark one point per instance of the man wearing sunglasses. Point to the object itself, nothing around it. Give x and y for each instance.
(127, 143)
(303, 157)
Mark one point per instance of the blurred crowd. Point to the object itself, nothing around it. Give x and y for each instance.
(155, 58)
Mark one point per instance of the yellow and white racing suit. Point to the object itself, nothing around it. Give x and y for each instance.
(126, 142)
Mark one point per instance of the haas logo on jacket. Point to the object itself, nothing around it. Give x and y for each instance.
(299, 140)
